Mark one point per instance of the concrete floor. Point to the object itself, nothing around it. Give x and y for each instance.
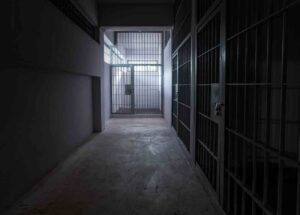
(135, 167)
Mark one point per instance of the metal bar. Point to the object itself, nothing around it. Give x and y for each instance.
(267, 149)
(298, 187)
(162, 73)
(282, 116)
(177, 78)
(111, 91)
(264, 20)
(181, 44)
(249, 192)
(132, 91)
(144, 54)
(211, 153)
(268, 98)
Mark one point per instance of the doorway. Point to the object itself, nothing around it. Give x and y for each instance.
(136, 89)
(137, 76)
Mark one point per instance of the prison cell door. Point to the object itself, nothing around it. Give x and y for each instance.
(175, 92)
(122, 90)
(210, 99)
(136, 89)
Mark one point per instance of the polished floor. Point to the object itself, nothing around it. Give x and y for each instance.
(135, 167)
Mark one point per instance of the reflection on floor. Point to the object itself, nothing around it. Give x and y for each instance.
(135, 167)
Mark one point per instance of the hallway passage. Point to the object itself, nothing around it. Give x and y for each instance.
(135, 167)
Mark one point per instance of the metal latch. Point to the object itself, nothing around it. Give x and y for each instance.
(218, 108)
(128, 89)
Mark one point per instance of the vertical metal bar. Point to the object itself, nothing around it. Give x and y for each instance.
(256, 87)
(282, 115)
(146, 77)
(253, 208)
(244, 172)
(228, 193)
(298, 186)
(268, 100)
(133, 91)
(243, 203)
(193, 82)
(116, 74)
(222, 80)
(111, 89)
(246, 46)
(235, 199)
(162, 72)
(177, 93)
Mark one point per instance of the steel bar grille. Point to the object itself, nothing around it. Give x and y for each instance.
(184, 92)
(141, 92)
(182, 26)
(203, 7)
(262, 108)
(140, 48)
(208, 51)
(121, 77)
(174, 93)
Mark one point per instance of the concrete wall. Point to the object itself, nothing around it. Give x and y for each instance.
(48, 69)
(136, 14)
(168, 83)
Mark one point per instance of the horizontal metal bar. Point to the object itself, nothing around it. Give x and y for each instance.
(175, 52)
(261, 21)
(208, 14)
(249, 192)
(291, 161)
(209, 50)
(205, 116)
(207, 149)
(185, 105)
(184, 125)
(185, 63)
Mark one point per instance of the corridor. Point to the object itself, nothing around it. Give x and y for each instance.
(135, 167)
(84, 82)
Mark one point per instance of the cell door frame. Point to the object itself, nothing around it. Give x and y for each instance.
(220, 120)
(132, 74)
(131, 83)
(175, 99)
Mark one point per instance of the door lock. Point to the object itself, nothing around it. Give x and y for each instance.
(218, 108)
(129, 89)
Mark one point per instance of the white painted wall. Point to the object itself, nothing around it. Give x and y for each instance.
(47, 68)
(168, 83)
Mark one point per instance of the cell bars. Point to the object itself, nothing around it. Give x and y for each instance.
(208, 51)
(174, 93)
(137, 82)
(182, 26)
(181, 86)
(262, 108)
(140, 48)
(122, 98)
